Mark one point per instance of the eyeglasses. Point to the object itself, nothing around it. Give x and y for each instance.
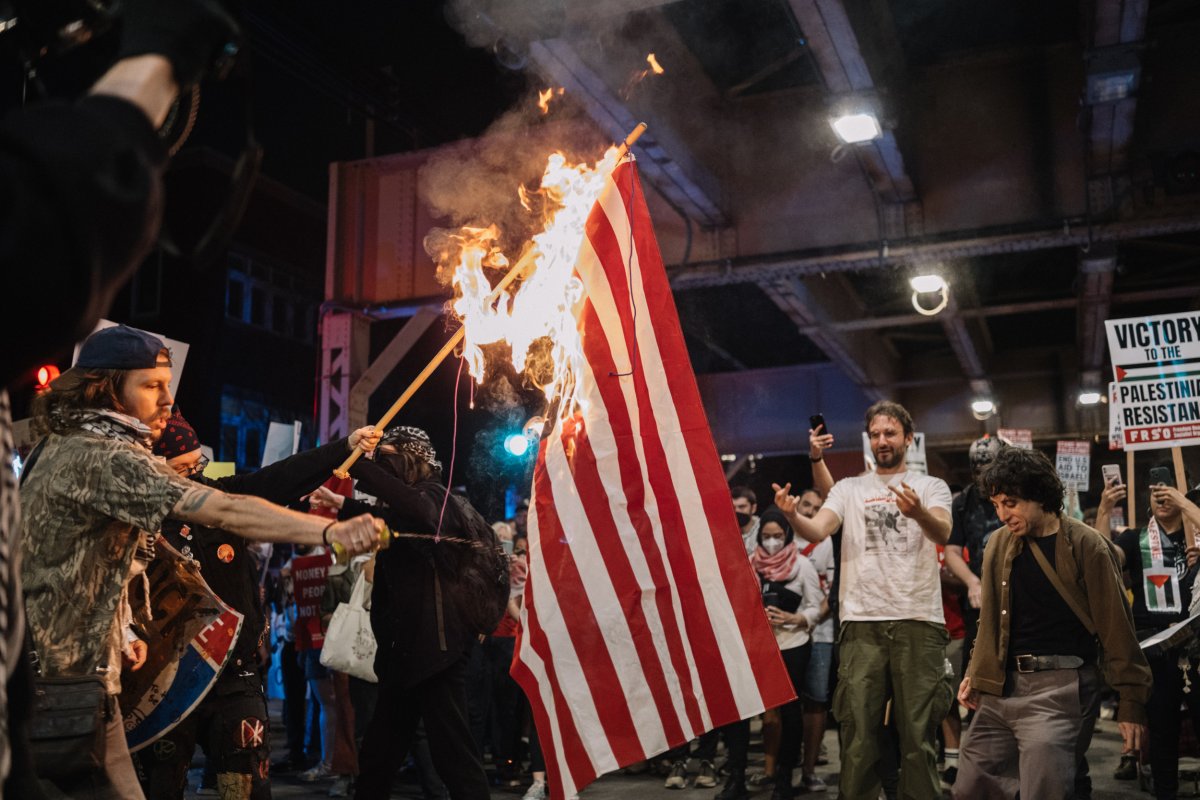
(197, 468)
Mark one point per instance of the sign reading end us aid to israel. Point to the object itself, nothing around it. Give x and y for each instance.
(1156, 372)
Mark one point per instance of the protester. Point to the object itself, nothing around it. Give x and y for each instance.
(1161, 570)
(745, 503)
(421, 618)
(80, 198)
(893, 636)
(952, 596)
(90, 487)
(792, 598)
(1052, 600)
(233, 714)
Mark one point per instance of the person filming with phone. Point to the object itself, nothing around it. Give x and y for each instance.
(1160, 567)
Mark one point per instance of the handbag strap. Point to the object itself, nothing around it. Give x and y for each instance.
(358, 596)
(1052, 575)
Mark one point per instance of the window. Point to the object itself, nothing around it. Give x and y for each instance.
(258, 305)
(229, 443)
(235, 298)
(254, 448)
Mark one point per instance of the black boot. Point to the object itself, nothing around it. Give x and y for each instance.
(783, 785)
(735, 786)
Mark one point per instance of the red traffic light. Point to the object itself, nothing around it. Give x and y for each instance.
(45, 375)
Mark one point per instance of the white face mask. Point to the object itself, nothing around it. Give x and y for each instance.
(772, 545)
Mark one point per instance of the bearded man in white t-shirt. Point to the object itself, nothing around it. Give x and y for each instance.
(893, 637)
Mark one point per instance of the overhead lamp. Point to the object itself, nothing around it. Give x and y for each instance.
(1090, 397)
(929, 285)
(983, 408)
(856, 127)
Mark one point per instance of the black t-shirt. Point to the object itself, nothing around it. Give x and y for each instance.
(1173, 546)
(974, 520)
(1042, 622)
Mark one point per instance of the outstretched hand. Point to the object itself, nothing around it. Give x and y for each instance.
(784, 500)
(907, 500)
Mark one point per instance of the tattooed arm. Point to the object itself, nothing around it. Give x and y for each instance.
(259, 520)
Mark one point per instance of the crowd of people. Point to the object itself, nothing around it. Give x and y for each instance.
(957, 641)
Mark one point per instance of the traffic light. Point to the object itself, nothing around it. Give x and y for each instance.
(45, 374)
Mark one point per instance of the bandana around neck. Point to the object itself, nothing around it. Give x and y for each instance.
(115, 425)
(778, 567)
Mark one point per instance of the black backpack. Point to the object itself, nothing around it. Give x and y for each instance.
(482, 579)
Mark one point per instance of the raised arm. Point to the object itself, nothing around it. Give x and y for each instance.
(812, 530)
(818, 443)
(261, 521)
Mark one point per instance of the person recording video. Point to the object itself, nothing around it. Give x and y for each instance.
(80, 207)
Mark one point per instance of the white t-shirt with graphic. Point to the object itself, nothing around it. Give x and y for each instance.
(889, 567)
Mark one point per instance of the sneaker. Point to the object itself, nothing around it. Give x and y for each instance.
(707, 778)
(811, 783)
(206, 791)
(1127, 770)
(760, 779)
(318, 773)
(822, 756)
(678, 777)
(949, 776)
(340, 787)
(535, 792)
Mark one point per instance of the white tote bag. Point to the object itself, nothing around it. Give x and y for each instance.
(349, 643)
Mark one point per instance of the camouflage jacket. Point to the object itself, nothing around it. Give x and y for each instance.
(84, 502)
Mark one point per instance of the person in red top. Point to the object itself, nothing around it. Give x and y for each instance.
(952, 589)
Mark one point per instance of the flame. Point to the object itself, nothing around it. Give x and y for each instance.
(546, 95)
(537, 319)
(640, 75)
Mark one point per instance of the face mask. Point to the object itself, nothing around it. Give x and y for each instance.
(743, 519)
(772, 545)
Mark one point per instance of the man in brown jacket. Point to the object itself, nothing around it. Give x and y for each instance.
(1052, 601)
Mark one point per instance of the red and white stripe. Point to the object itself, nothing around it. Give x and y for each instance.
(642, 625)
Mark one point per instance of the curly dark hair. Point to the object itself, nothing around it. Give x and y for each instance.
(889, 408)
(1024, 474)
(59, 410)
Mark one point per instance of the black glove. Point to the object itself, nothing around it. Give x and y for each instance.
(189, 33)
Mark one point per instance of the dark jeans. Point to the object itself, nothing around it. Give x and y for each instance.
(294, 688)
(441, 701)
(737, 734)
(508, 701)
(1162, 710)
(232, 722)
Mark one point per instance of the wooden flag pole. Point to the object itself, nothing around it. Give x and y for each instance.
(518, 269)
(1130, 506)
(1189, 532)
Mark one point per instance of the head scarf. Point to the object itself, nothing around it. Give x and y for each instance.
(414, 441)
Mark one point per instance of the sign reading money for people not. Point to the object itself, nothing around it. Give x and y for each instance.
(1156, 372)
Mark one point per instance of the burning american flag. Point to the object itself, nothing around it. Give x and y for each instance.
(642, 625)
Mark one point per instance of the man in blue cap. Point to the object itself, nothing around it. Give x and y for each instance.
(91, 491)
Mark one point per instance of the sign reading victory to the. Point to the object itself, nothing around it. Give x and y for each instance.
(1156, 369)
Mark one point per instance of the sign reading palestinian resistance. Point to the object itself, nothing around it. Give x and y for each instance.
(914, 456)
(1017, 437)
(1156, 369)
(1073, 462)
